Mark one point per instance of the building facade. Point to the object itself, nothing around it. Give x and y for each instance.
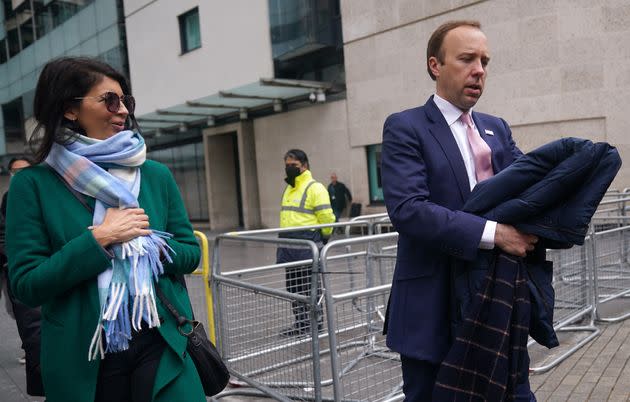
(31, 33)
(225, 88)
(559, 68)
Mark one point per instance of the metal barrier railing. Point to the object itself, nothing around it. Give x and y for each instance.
(614, 204)
(363, 368)
(612, 276)
(199, 291)
(574, 300)
(371, 219)
(253, 306)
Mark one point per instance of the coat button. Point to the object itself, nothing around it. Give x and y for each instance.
(184, 355)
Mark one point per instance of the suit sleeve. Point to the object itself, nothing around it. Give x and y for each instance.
(516, 152)
(408, 201)
(37, 272)
(187, 252)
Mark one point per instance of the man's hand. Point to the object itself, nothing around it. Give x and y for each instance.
(510, 240)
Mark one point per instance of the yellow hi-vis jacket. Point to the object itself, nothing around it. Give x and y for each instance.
(308, 203)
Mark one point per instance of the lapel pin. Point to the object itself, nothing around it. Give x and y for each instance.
(489, 132)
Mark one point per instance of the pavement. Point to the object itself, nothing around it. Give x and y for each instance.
(597, 372)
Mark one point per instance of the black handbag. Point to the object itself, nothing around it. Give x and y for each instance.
(212, 371)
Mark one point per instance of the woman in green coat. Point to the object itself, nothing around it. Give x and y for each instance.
(91, 231)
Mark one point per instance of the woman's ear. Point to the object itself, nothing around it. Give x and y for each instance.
(71, 114)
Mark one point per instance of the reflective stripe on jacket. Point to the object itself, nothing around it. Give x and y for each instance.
(306, 204)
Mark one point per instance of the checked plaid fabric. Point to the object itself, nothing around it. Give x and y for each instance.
(489, 355)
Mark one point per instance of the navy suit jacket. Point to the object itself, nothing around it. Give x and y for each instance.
(425, 185)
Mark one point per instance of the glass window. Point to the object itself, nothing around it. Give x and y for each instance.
(13, 37)
(3, 51)
(186, 162)
(374, 173)
(26, 32)
(62, 11)
(189, 32)
(44, 21)
(306, 39)
(13, 116)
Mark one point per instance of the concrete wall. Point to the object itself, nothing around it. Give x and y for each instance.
(321, 132)
(221, 175)
(249, 175)
(221, 182)
(235, 49)
(558, 67)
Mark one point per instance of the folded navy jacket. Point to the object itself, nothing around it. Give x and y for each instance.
(551, 192)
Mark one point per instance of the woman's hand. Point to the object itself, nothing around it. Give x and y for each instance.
(120, 225)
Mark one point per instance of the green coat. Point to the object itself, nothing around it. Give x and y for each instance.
(54, 261)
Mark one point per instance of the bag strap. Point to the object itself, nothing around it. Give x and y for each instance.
(181, 320)
(74, 192)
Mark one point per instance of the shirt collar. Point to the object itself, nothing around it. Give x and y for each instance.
(450, 112)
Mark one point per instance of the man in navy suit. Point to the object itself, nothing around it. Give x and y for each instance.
(430, 163)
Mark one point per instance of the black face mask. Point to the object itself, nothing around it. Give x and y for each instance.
(292, 172)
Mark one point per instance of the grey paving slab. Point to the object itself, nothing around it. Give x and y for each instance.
(599, 371)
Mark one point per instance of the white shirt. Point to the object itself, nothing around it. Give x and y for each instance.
(451, 114)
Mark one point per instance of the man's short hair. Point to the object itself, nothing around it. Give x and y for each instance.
(434, 47)
(298, 155)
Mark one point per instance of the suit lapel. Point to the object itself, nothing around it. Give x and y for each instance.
(491, 140)
(443, 135)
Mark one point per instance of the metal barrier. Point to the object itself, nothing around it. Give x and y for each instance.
(255, 312)
(612, 276)
(613, 205)
(343, 357)
(574, 301)
(252, 309)
(358, 286)
(371, 219)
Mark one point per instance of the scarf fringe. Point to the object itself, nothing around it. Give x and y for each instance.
(140, 265)
(96, 346)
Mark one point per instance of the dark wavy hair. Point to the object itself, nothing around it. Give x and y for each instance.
(62, 81)
(298, 155)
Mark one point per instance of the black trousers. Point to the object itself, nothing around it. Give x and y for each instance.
(298, 279)
(28, 320)
(129, 376)
(418, 379)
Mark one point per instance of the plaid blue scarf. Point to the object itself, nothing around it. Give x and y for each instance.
(107, 170)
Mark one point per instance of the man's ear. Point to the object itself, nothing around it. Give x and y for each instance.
(434, 66)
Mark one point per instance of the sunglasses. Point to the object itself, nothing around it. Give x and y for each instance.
(112, 101)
